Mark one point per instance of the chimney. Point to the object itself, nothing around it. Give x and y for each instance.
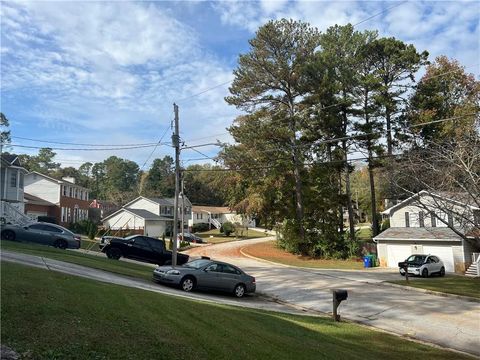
(69, 179)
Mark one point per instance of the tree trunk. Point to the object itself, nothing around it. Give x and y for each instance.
(348, 192)
(389, 131)
(340, 209)
(297, 176)
(370, 170)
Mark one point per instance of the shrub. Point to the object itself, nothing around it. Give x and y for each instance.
(200, 227)
(227, 228)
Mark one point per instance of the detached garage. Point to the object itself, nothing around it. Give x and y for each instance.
(396, 244)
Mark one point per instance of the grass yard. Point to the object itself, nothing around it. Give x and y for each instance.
(452, 284)
(91, 245)
(93, 261)
(269, 251)
(364, 234)
(50, 315)
(217, 237)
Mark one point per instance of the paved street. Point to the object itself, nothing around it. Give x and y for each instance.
(448, 322)
(445, 321)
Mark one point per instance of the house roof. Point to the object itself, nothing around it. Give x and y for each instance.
(452, 197)
(420, 233)
(11, 160)
(30, 199)
(159, 201)
(212, 209)
(144, 214)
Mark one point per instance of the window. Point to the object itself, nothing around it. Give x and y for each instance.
(214, 267)
(141, 243)
(52, 229)
(62, 216)
(71, 192)
(69, 213)
(156, 245)
(476, 217)
(433, 219)
(13, 179)
(230, 270)
(21, 181)
(450, 220)
(81, 194)
(64, 190)
(36, 227)
(407, 219)
(421, 219)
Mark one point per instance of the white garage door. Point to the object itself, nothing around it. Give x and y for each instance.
(397, 253)
(445, 253)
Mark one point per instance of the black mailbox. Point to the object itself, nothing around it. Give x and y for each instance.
(340, 295)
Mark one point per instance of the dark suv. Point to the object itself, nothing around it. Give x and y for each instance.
(139, 247)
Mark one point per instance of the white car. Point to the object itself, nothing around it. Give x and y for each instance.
(422, 265)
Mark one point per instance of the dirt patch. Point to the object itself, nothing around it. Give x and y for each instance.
(269, 251)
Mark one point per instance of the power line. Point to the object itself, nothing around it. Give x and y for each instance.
(204, 91)
(87, 149)
(155, 148)
(77, 144)
(380, 13)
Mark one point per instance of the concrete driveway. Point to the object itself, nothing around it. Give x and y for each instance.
(446, 321)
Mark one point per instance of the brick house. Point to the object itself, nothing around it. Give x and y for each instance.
(63, 200)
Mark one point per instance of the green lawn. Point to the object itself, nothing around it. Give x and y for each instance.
(51, 315)
(91, 245)
(217, 237)
(364, 234)
(270, 251)
(94, 261)
(452, 284)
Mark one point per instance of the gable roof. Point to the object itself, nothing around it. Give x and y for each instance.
(420, 233)
(159, 201)
(442, 196)
(212, 209)
(144, 214)
(11, 161)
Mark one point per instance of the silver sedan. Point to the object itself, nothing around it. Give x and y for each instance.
(42, 233)
(207, 274)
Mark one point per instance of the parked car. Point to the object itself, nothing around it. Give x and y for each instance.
(422, 265)
(139, 247)
(189, 237)
(42, 233)
(207, 274)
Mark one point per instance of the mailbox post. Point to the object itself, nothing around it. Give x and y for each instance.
(338, 297)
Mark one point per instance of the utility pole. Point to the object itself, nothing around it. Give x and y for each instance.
(183, 207)
(176, 144)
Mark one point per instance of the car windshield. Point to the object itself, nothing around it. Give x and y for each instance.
(130, 237)
(197, 264)
(417, 259)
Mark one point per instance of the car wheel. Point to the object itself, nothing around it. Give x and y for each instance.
(114, 253)
(442, 271)
(61, 244)
(425, 273)
(187, 284)
(239, 290)
(8, 235)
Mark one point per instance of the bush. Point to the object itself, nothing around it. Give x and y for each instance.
(227, 228)
(84, 227)
(200, 227)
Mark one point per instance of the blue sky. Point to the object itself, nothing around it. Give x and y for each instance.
(109, 72)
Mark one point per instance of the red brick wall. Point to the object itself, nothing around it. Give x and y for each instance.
(49, 210)
(69, 202)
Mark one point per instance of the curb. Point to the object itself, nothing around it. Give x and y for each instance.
(407, 288)
(432, 292)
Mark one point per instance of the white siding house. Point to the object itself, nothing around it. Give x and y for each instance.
(214, 215)
(152, 216)
(11, 187)
(428, 223)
